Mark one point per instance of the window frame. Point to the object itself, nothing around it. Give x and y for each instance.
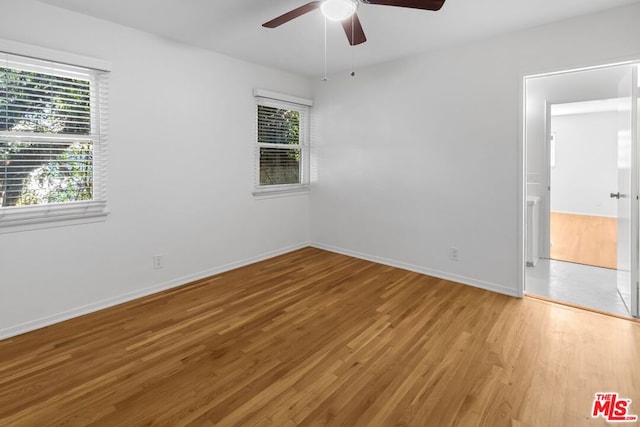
(96, 71)
(292, 103)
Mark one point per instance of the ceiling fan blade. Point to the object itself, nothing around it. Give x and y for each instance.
(414, 4)
(282, 19)
(353, 30)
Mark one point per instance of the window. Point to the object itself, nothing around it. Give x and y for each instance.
(282, 152)
(52, 141)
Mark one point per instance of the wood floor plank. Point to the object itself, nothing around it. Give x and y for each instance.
(317, 338)
(584, 239)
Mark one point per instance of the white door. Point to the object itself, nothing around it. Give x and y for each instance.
(626, 193)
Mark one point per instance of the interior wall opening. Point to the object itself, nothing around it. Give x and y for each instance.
(581, 178)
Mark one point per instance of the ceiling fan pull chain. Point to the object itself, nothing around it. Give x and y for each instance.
(353, 37)
(324, 79)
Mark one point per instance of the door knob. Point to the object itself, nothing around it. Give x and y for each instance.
(614, 195)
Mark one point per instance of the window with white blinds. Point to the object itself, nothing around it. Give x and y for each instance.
(282, 152)
(53, 120)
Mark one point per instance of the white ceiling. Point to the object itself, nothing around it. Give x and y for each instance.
(233, 27)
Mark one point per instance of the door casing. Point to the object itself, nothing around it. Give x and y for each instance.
(544, 245)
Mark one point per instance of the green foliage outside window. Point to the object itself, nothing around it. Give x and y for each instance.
(279, 165)
(38, 170)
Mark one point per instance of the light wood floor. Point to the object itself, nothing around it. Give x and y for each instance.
(584, 239)
(316, 338)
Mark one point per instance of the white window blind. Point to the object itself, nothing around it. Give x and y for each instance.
(53, 140)
(282, 152)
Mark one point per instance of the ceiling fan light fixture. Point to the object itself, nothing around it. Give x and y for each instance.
(338, 10)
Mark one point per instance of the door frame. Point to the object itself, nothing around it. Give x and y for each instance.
(545, 208)
(635, 191)
(634, 62)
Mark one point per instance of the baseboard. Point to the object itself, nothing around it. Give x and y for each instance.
(488, 286)
(181, 281)
(130, 296)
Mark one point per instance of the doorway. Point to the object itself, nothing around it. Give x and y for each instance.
(581, 176)
(583, 222)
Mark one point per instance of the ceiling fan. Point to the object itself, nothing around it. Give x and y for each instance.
(345, 12)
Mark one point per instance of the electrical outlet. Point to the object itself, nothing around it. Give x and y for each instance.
(453, 254)
(158, 262)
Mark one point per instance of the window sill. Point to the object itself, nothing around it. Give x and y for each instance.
(281, 191)
(43, 223)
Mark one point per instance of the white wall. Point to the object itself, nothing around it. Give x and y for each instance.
(180, 175)
(586, 164)
(420, 155)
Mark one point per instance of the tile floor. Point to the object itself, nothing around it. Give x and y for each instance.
(579, 284)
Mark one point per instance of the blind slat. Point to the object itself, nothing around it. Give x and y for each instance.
(48, 87)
